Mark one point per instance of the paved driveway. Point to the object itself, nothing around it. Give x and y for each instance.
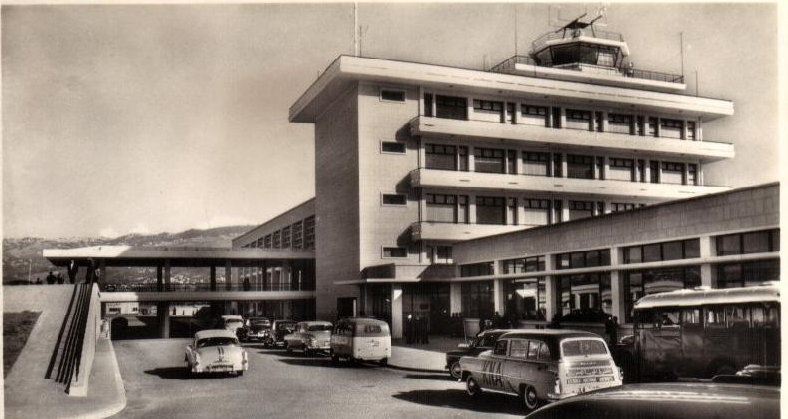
(281, 385)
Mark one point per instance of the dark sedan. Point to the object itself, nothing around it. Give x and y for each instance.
(483, 341)
(678, 400)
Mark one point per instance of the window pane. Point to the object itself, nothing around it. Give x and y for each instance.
(395, 199)
(672, 250)
(651, 253)
(756, 242)
(519, 348)
(728, 245)
(392, 95)
(633, 255)
(533, 349)
(692, 248)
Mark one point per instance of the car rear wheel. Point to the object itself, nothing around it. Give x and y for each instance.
(530, 398)
(472, 387)
(456, 371)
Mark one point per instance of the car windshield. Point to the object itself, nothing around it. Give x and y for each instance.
(261, 324)
(319, 327)
(580, 347)
(216, 341)
(283, 326)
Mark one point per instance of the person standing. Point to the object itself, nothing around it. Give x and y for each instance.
(51, 278)
(611, 329)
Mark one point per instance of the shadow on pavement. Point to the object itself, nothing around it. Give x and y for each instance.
(487, 403)
(443, 377)
(324, 362)
(179, 373)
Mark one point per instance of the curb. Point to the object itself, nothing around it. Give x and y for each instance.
(118, 406)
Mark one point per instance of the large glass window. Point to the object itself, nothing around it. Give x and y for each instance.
(440, 157)
(536, 164)
(489, 108)
(620, 123)
(477, 299)
(585, 297)
(446, 208)
(580, 209)
(309, 232)
(655, 252)
(476, 269)
(490, 210)
(733, 275)
(537, 211)
(579, 167)
(298, 234)
(621, 169)
(584, 259)
(534, 115)
(451, 107)
(651, 281)
(489, 160)
(526, 298)
(671, 128)
(523, 265)
(752, 242)
(672, 173)
(578, 119)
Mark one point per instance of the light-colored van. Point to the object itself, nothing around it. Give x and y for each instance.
(542, 365)
(361, 339)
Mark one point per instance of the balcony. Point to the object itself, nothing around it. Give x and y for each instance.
(429, 230)
(428, 178)
(539, 136)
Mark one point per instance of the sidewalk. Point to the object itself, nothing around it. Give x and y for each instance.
(26, 392)
(429, 357)
(46, 399)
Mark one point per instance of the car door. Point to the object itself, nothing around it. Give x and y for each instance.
(515, 368)
(492, 366)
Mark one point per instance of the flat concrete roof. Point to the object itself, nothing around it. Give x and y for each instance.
(177, 256)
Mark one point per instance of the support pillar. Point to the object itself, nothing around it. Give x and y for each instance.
(455, 297)
(228, 273)
(708, 275)
(163, 313)
(551, 292)
(617, 288)
(167, 275)
(498, 297)
(213, 278)
(396, 311)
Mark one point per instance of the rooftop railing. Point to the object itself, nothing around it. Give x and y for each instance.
(148, 287)
(508, 66)
(540, 42)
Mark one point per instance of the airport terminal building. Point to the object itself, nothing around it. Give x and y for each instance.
(526, 190)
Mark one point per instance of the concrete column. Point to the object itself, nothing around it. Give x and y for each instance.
(551, 294)
(455, 297)
(517, 112)
(647, 169)
(563, 117)
(422, 207)
(549, 117)
(657, 129)
(422, 157)
(564, 165)
(606, 165)
(213, 278)
(498, 295)
(159, 279)
(698, 130)
(163, 313)
(708, 275)
(434, 105)
(421, 100)
(520, 212)
(604, 121)
(396, 311)
(471, 160)
(228, 273)
(167, 274)
(700, 174)
(565, 209)
(684, 130)
(470, 107)
(472, 208)
(518, 162)
(617, 285)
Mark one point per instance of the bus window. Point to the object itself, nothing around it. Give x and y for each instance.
(737, 316)
(500, 348)
(691, 316)
(645, 319)
(715, 317)
(669, 318)
(519, 348)
(544, 352)
(533, 350)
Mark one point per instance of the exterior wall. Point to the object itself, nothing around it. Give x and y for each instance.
(386, 225)
(740, 209)
(336, 202)
(285, 219)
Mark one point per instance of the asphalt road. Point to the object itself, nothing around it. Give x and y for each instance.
(284, 386)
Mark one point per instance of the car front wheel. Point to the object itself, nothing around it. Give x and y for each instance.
(530, 398)
(472, 387)
(456, 371)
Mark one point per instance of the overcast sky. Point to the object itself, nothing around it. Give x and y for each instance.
(150, 118)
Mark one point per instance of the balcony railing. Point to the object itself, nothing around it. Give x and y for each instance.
(509, 65)
(596, 33)
(148, 287)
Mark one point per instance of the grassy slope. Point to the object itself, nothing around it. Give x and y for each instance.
(16, 329)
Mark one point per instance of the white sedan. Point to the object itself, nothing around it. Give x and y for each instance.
(216, 350)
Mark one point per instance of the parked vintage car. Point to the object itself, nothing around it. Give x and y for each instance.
(484, 340)
(675, 400)
(279, 329)
(361, 339)
(216, 350)
(312, 336)
(254, 329)
(232, 322)
(542, 365)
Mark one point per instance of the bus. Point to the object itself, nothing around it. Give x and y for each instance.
(703, 332)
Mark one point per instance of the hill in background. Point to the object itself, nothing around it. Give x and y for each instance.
(21, 255)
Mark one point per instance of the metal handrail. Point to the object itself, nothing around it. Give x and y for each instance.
(569, 34)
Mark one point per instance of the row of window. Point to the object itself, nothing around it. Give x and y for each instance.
(755, 242)
(456, 107)
(585, 259)
(655, 252)
(299, 235)
(504, 161)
